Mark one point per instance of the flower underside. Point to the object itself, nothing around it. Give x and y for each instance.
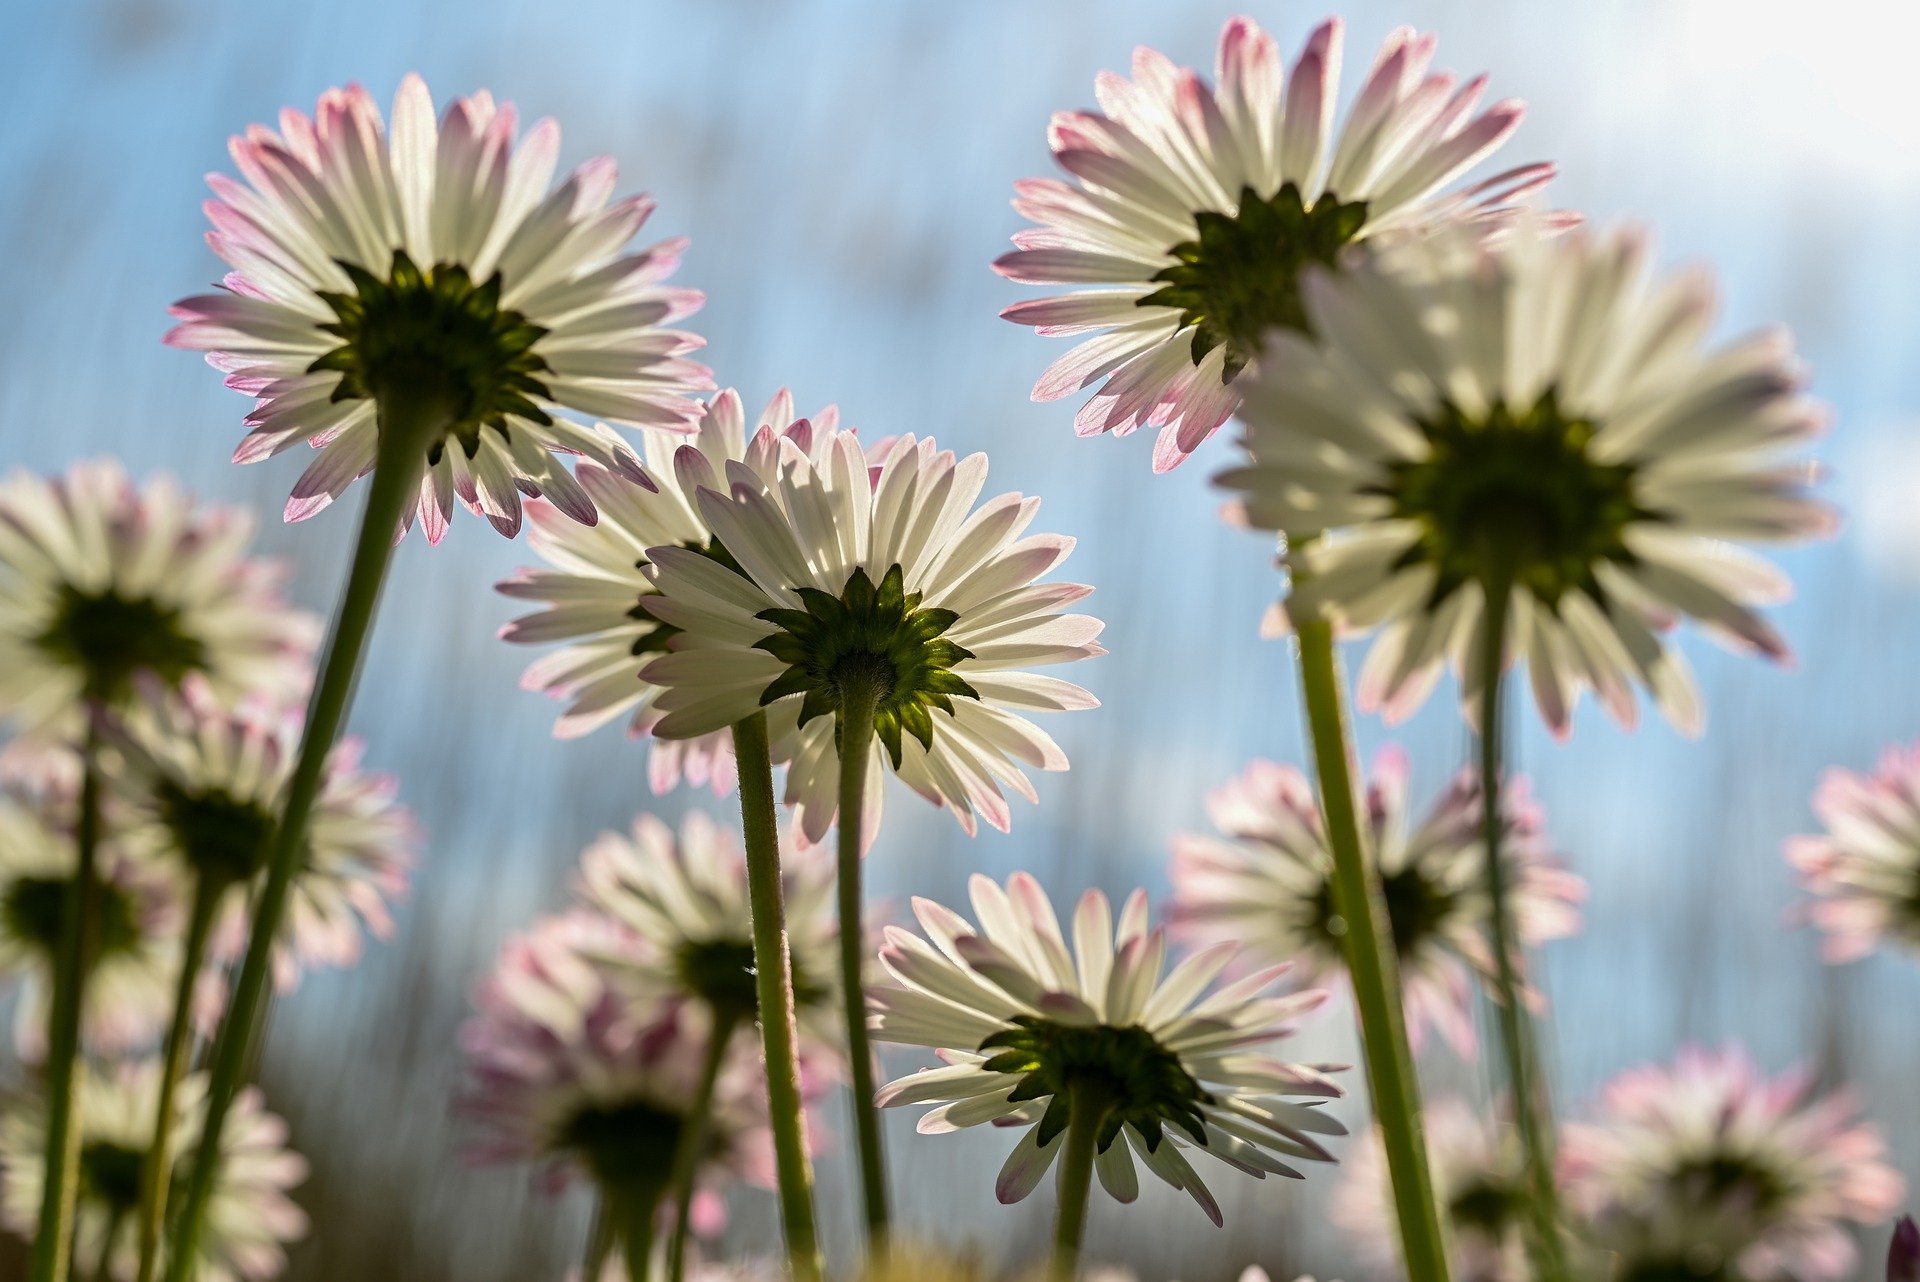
(33, 909)
(869, 643)
(721, 973)
(110, 1174)
(1239, 277)
(222, 837)
(1488, 1205)
(1146, 1084)
(1416, 908)
(654, 639)
(626, 1147)
(1515, 497)
(437, 335)
(111, 639)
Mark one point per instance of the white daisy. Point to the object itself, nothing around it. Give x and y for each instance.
(136, 911)
(435, 262)
(202, 786)
(1196, 208)
(872, 568)
(103, 581)
(1266, 882)
(1022, 1022)
(250, 1219)
(1710, 1170)
(595, 594)
(1479, 1178)
(1864, 870)
(684, 899)
(1542, 412)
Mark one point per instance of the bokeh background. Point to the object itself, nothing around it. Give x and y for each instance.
(844, 171)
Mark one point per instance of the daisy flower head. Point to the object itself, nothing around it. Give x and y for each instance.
(436, 267)
(1031, 1031)
(1266, 881)
(250, 1218)
(1539, 416)
(683, 898)
(1479, 1180)
(594, 592)
(104, 581)
(566, 1071)
(869, 575)
(1196, 208)
(1709, 1169)
(135, 907)
(202, 784)
(1863, 871)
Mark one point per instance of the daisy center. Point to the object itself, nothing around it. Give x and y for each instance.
(1726, 1180)
(223, 837)
(1144, 1083)
(1488, 1206)
(33, 909)
(1515, 495)
(721, 971)
(1416, 909)
(627, 1147)
(868, 643)
(113, 638)
(110, 1174)
(436, 335)
(1240, 274)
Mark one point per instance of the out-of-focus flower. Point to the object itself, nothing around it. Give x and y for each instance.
(202, 785)
(1864, 870)
(1540, 411)
(1266, 883)
(434, 262)
(1708, 1169)
(135, 916)
(1020, 1020)
(250, 1218)
(103, 582)
(567, 1072)
(684, 900)
(595, 592)
(1479, 1179)
(876, 569)
(1196, 209)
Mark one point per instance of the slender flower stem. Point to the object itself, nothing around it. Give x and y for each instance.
(410, 419)
(53, 1242)
(157, 1173)
(103, 1263)
(859, 699)
(638, 1212)
(773, 977)
(1089, 1102)
(1516, 1033)
(1371, 962)
(693, 1138)
(600, 1239)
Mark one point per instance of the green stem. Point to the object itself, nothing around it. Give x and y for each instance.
(53, 1242)
(1516, 1034)
(103, 1263)
(410, 419)
(1371, 962)
(600, 1240)
(157, 1173)
(859, 700)
(640, 1212)
(1089, 1102)
(773, 977)
(693, 1139)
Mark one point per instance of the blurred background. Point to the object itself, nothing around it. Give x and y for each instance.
(844, 170)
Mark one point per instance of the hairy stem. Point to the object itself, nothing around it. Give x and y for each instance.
(1089, 1101)
(859, 699)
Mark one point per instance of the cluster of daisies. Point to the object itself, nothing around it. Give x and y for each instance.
(1487, 438)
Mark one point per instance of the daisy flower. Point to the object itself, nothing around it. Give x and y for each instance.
(888, 580)
(250, 1219)
(1864, 870)
(1480, 1183)
(683, 898)
(1195, 209)
(1026, 1027)
(436, 263)
(1545, 414)
(1708, 1169)
(135, 956)
(595, 593)
(568, 1072)
(1267, 882)
(104, 581)
(202, 785)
